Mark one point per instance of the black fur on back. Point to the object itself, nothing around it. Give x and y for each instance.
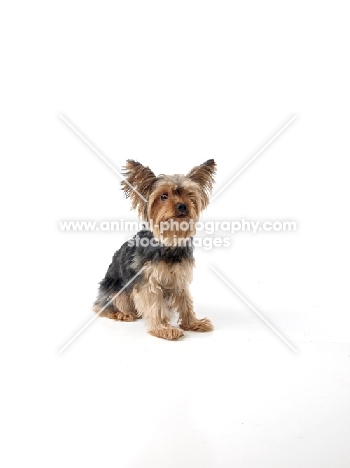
(131, 257)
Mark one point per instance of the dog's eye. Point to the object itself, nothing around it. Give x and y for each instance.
(164, 196)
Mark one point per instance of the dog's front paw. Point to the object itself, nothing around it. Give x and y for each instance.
(201, 325)
(168, 333)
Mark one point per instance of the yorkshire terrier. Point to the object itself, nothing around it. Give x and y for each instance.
(150, 274)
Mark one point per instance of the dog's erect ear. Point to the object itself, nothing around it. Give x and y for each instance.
(203, 175)
(138, 185)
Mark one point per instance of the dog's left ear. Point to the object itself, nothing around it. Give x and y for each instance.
(137, 185)
(203, 175)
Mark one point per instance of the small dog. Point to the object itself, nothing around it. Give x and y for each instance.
(150, 274)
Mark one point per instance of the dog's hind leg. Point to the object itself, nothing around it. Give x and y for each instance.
(121, 308)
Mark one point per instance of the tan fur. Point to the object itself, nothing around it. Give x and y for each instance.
(164, 288)
(125, 304)
(178, 190)
(121, 308)
(203, 176)
(114, 314)
(142, 179)
(183, 304)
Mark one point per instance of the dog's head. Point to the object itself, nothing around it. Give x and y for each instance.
(171, 204)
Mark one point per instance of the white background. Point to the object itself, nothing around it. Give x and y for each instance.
(172, 84)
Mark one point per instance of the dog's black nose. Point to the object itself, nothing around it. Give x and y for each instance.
(181, 207)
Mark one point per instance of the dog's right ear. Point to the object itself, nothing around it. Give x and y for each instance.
(137, 185)
(203, 176)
